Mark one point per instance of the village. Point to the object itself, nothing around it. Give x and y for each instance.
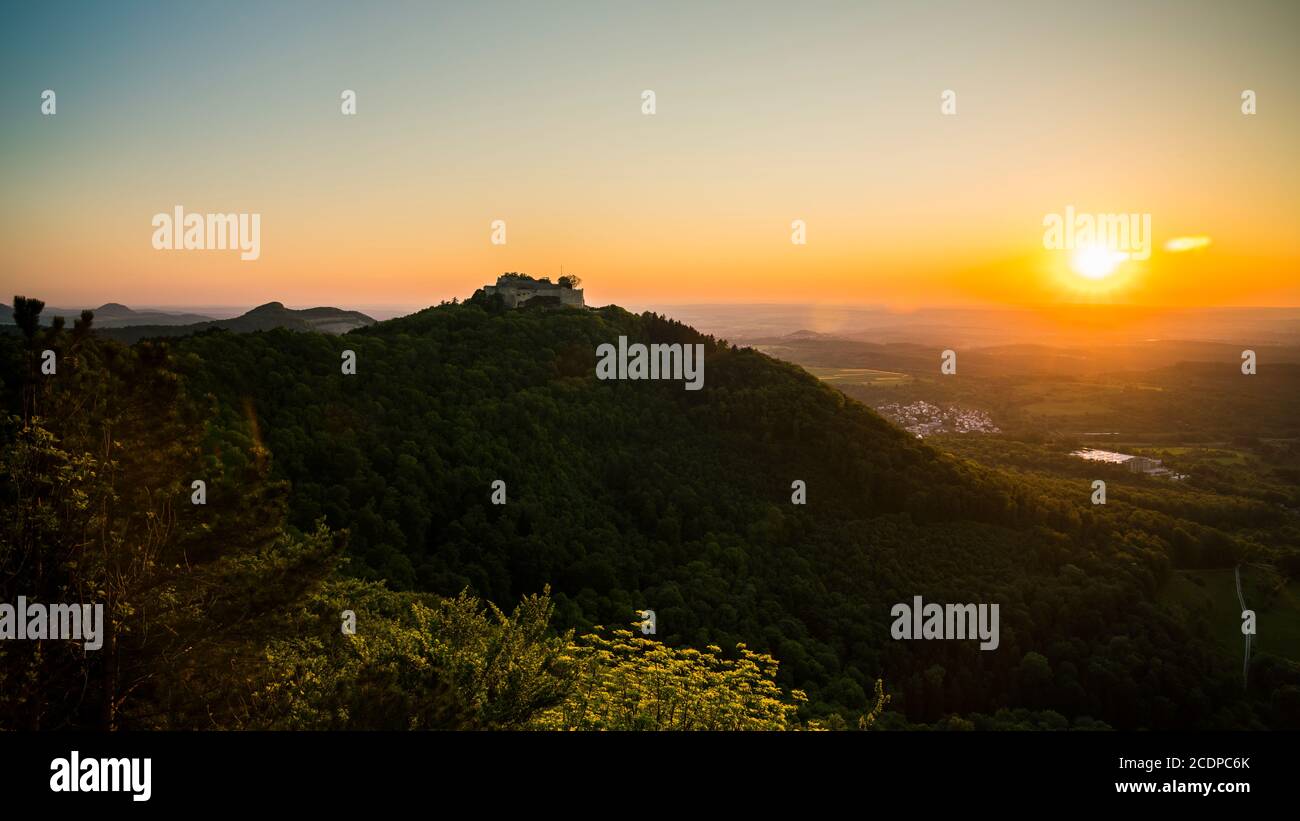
(925, 419)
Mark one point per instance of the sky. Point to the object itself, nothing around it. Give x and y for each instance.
(765, 113)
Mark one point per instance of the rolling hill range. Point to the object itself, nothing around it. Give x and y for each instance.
(266, 317)
(112, 315)
(128, 325)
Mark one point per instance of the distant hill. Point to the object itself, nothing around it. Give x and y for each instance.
(111, 315)
(275, 315)
(266, 317)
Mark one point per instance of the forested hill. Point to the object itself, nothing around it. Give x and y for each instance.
(446, 401)
(630, 495)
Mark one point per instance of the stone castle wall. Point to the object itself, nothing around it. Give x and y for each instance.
(515, 295)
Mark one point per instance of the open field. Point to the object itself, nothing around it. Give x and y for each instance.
(860, 376)
(1216, 455)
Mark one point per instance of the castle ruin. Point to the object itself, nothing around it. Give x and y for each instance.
(516, 289)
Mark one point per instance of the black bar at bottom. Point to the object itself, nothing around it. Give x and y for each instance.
(331, 771)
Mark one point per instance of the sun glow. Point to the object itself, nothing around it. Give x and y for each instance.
(1093, 273)
(1096, 261)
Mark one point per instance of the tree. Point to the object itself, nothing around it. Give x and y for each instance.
(27, 315)
(96, 510)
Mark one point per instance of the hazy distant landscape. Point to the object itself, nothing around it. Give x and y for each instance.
(973, 327)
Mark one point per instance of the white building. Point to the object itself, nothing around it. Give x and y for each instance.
(1134, 464)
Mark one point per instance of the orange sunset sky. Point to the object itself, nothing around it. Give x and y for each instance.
(765, 113)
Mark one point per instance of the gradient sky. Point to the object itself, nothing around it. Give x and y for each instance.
(531, 113)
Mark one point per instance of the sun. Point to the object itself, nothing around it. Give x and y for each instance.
(1096, 261)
